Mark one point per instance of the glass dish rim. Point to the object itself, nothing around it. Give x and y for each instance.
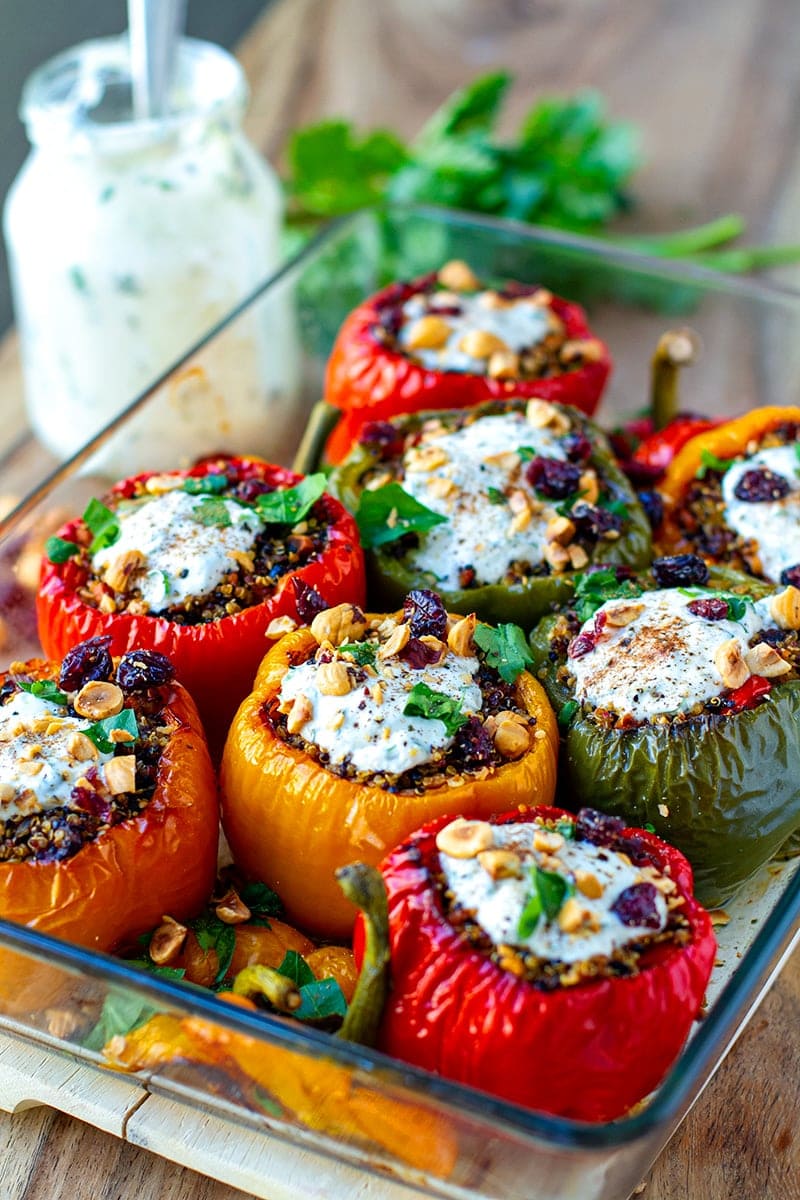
(771, 942)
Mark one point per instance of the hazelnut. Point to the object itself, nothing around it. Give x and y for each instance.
(232, 909)
(480, 343)
(458, 276)
(560, 529)
(460, 637)
(589, 487)
(623, 613)
(785, 608)
(500, 864)
(98, 699)
(765, 660)
(464, 839)
(428, 333)
(80, 747)
(396, 641)
(557, 557)
(120, 774)
(729, 661)
(578, 558)
(548, 841)
(511, 735)
(167, 941)
(425, 458)
(342, 623)
(503, 364)
(119, 571)
(333, 679)
(588, 883)
(300, 712)
(279, 626)
(588, 349)
(574, 916)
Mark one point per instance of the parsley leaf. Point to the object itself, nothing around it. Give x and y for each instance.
(295, 967)
(198, 485)
(496, 496)
(261, 899)
(212, 511)
(58, 550)
(710, 462)
(526, 453)
(618, 507)
(388, 512)
(565, 507)
(287, 506)
(425, 702)
(45, 689)
(100, 730)
(505, 649)
(363, 652)
(101, 522)
(121, 1013)
(550, 890)
(566, 829)
(593, 589)
(319, 998)
(567, 712)
(213, 934)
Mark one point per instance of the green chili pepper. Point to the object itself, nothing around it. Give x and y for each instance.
(722, 789)
(391, 578)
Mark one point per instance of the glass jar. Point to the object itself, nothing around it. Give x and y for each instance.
(128, 239)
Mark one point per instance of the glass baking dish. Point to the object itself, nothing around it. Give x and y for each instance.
(343, 1109)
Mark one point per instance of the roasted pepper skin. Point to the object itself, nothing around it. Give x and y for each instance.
(120, 884)
(727, 440)
(291, 823)
(723, 790)
(657, 448)
(587, 1052)
(216, 661)
(371, 382)
(389, 579)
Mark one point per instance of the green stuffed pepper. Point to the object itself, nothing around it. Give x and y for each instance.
(494, 507)
(678, 694)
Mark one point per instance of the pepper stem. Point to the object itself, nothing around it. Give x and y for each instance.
(364, 887)
(676, 348)
(259, 980)
(320, 425)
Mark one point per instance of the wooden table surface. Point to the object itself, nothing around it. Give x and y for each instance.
(715, 89)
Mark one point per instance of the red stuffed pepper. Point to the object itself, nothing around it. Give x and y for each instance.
(445, 341)
(207, 566)
(557, 962)
(108, 805)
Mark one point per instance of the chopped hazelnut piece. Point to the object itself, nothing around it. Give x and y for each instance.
(623, 613)
(589, 487)
(547, 841)
(232, 909)
(425, 458)
(167, 941)
(300, 712)
(279, 626)
(729, 661)
(589, 349)
(575, 916)
(333, 679)
(119, 571)
(458, 276)
(578, 558)
(503, 364)
(120, 774)
(765, 660)
(342, 623)
(98, 699)
(396, 642)
(460, 637)
(557, 556)
(500, 864)
(464, 839)
(480, 343)
(428, 333)
(560, 529)
(588, 883)
(785, 608)
(81, 747)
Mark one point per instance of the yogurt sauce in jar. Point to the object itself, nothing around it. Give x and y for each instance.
(129, 239)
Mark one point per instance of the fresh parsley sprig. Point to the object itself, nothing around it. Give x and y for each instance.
(710, 462)
(593, 589)
(99, 732)
(387, 513)
(103, 524)
(288, 506)
(423, 701)
(45, 689)
(548, 892)
(505, 649)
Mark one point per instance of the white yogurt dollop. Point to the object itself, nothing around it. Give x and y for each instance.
(663, 660)
(183, 558)
(519, 325)
(38, 769)
(478, 532)
(498, 904)
(368, 725)
(774, 525)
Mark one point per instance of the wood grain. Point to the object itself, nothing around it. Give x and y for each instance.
(715, 90)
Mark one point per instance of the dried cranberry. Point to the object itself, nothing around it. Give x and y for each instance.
(445, 310)
(514, 290)
(553, 478)
(621, 570)
(711, 608)
(791, 576)
(680, 570)
(577, 447)
(419, 654)
(390, 319)
(600, 622)
(640, 474)
(88, 801)
(249, 490)
(85, 662)
(142, 669)
(636, 905)
(382, 436)
(584, 643)
(653, 506)
(308, 600)
(592, 521)
(425, 613)
(760, 485)
(598, 828)
(473, 744)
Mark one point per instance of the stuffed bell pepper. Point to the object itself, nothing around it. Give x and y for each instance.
(108, 803)
(496, 507)
(732, 495)
(205, 566)
(361, 728)
(557, 962)
(448, 341)
(679, 697)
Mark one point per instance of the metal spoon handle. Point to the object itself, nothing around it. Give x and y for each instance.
(154, 28)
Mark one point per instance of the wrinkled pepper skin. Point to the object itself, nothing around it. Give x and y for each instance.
(588, 1052)
(658, 448)
(727, 440)
(215, 661)
(389, 579)
(291, 823)
(724, 791)
(120, 884)
(371, 382)
(318, 1093)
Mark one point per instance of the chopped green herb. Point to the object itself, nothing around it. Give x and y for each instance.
(319, 998)
(102, 523)
(425, 702)
(261, 899)
(267, 1103)
(593, 589)
(100, 730)
(212, 511)
(213, 934)
(198, 485)
(566, 829)
(363, 652)
(567, 712)
(529, 917)
(58, 550)
(78, 280)
(388, 512)
(618, 507)
(147, 964)
(648, 827)
(505, 649)
(45, 689)
(287, 506)
(496, 496)
(565, 507)
(295, 967)
(710, 462)
(526, 453)
(550, 890)
(121, 1013)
